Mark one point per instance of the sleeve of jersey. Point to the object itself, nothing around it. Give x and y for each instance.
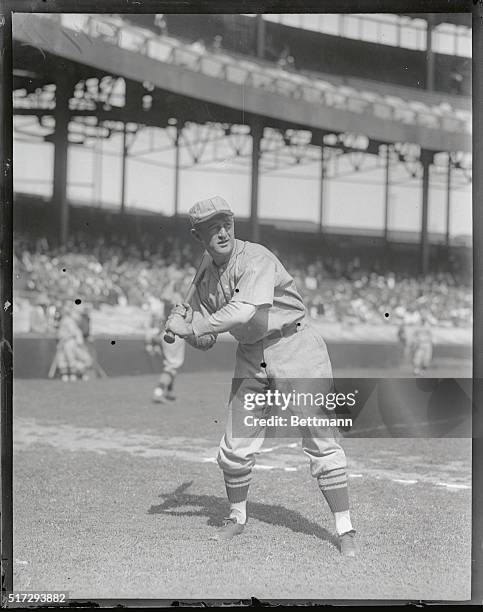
(256, 283)
(231, 315)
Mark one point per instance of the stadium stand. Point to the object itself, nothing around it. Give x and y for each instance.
(338, 286)
(341, 53)
(356, 95)
(110, 270)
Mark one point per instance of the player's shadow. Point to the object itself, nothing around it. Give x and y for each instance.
(215, 508)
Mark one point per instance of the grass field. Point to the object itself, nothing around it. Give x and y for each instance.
(116, 498)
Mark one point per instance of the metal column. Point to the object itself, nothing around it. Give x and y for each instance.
(123, 176)
(61, 150)
(256, 132)
(429, 54)
(426, 161)
(176, 172)
(387, 191)
(260, 36)
(322, 185)
(448, 199)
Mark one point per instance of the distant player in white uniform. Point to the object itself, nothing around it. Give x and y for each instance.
(422, 346)
(173, 354)
(72, 357)
(246, 291)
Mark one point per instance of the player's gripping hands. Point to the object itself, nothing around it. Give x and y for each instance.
(184, 310)
(179, 320)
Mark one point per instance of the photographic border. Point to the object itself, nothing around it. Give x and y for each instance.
(7, 8)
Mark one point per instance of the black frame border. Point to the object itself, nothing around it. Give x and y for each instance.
(7, 8)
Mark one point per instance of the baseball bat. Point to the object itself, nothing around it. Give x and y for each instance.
(169, 337)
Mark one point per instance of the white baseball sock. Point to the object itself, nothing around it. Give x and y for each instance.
(342, 522)
(238, 510)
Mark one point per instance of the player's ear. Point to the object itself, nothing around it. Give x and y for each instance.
(196, 235)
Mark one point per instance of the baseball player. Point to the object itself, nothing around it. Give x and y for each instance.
(422, 346)
(246, 291)
(152, 338)
(73, 358)
(173, 355)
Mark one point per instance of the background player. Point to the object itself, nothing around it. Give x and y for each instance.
(246, 290)
(422, 346)
(173, 354)
(73, 359)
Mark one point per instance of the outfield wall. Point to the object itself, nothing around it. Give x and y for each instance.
(33, 356)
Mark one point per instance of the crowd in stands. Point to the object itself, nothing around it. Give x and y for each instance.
(117, 272)
(123, 273)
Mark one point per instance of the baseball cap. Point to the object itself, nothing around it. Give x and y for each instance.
(206, 209)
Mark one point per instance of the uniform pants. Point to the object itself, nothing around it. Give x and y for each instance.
(299, 363)
(422, 356)
(173, 359)
(73, 356)
(173, 355)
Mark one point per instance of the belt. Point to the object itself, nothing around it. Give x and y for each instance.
(286, 331)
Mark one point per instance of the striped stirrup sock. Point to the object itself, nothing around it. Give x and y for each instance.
(333, 485)
(237, 486)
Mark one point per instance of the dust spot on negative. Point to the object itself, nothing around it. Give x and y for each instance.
(237, 290)
(263, 365)
(64, 270)
(386, 314)
(298, 324)
(113, 342)
(78, 302)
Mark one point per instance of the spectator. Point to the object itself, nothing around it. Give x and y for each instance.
(286, 60)
(456, 82)
(161, 24)
(217, 43)
(140, 274)
(198, 47)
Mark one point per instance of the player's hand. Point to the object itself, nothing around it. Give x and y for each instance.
(183, 310)
(178, 309)
(179, 326)
(188, 317)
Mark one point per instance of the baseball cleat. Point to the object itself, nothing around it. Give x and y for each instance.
(230, 529)
(170, 396)
(158, 396)
(347, 544)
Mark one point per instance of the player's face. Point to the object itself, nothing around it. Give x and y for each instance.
(217, 236)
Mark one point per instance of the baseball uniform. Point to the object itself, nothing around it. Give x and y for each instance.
(72, 355)
(422, 348)
(278, 349)
(173, 357)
